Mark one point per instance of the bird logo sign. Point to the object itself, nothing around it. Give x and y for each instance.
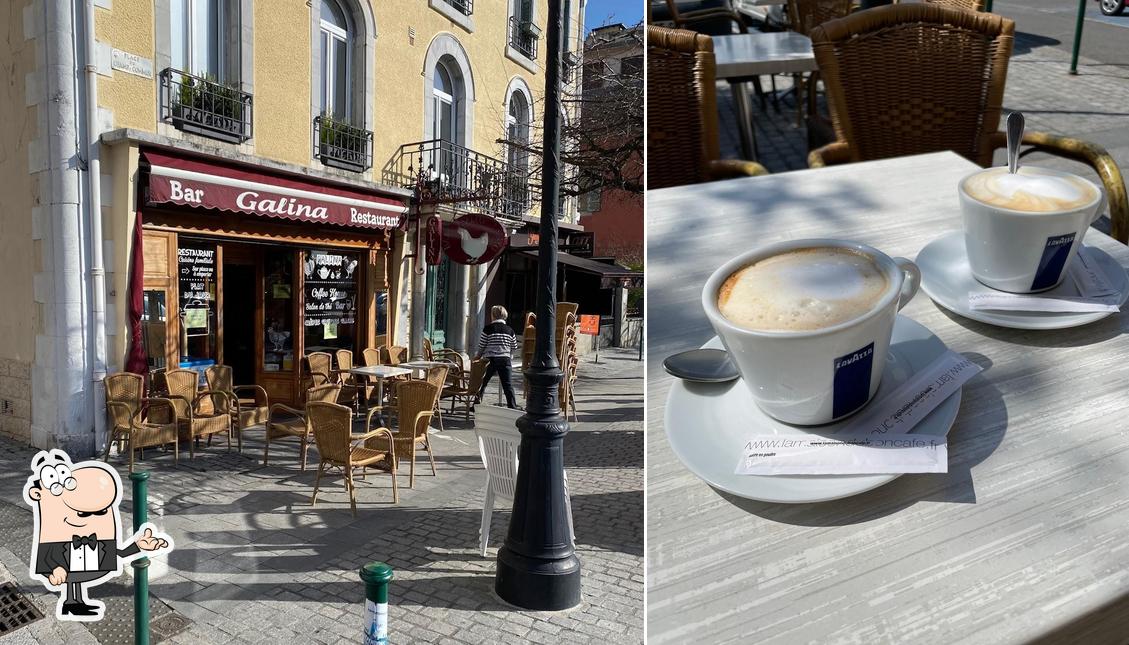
(77, 540)
(473, 239)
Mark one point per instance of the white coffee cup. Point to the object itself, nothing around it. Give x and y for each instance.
(1023, 251)
(814, 376)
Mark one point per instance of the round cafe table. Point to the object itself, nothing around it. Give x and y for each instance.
(1022, 540)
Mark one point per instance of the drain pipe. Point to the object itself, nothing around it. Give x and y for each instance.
(97, 264)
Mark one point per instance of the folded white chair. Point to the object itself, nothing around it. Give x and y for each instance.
(498, 442)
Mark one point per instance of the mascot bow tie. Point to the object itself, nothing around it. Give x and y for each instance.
(80, 541)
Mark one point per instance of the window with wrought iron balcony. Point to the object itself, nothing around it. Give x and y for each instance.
(200, 90)
(468, 180)
(338, 139)
(524, 35)
(204, 106)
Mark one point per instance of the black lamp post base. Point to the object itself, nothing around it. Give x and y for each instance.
(538, 584)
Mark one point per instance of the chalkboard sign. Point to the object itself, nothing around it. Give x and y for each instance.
(331, 290)
(196, 270)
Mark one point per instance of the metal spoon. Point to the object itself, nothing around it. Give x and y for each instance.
(701, 366)
(1014, 138)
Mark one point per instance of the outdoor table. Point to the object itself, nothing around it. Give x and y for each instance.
(1026, 533)
(379, 373)
(423, 366)
(742, 57)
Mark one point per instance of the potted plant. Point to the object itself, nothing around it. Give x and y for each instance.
(341, 144)
(204, 103)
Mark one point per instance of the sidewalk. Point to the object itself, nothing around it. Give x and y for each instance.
(254, 563)
(1090, 106)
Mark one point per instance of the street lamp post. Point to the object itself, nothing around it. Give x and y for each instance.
(537, 568)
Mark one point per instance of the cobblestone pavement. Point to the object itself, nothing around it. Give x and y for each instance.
(1093, 105)
(254, 563)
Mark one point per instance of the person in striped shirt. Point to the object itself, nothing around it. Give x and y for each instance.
(496, 344)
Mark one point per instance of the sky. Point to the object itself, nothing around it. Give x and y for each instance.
(601, 12)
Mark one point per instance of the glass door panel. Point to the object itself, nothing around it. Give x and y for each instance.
(278, 311)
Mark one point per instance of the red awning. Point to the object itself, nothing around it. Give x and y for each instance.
(244, 189)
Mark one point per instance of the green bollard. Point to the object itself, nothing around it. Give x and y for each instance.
(376, 575)
(140, 565)
(1077, 36)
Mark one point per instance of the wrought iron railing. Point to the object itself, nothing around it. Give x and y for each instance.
(203, 106)
(465, 7)
(342, 145)
(524, 36)
(465, 178)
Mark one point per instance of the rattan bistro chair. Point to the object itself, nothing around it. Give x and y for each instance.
(467, 393)
(196, 415)
(437, 376)
(130, 422)
(682, 112)
(332, 427)
(285, 421)
(416, 402)
(910, 79)
(246, 411)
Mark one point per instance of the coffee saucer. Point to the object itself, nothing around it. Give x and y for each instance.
(706, 425)
(947, 278)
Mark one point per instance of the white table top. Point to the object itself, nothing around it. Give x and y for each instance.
(379, 371)
(784, 52)
(1026, 533)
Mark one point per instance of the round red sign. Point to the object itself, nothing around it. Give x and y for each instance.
(473, 239)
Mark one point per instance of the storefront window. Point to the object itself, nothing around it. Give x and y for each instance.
(278, 311)
(435, 316)
(154, 326)
(331, 300)
(196, 277)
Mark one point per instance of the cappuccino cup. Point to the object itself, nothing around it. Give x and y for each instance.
(1022, 230)
(808, 323)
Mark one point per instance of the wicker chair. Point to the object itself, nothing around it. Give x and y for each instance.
(416, 402)
(682, 112)
(196, 415)
(964, 5)
(285, 421)
(321, 364)
(332, 427)
(806, 15)
(437, 376)
(245, 411)
(467, 394)
(371, 356)
(393, 355)
(130, 423)
(910, 79)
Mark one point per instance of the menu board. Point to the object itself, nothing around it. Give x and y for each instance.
(331, 290)
(196, 270)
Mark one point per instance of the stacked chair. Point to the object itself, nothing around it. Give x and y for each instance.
(567, 335)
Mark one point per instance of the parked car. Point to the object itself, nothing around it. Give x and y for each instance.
(1112, 7)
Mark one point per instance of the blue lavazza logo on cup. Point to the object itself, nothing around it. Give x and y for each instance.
(852, 380)
(1053, 261)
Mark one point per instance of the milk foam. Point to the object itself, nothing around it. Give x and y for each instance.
(802, 290)
(1031, 189)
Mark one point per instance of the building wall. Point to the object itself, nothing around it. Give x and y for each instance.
(282, 88)
(19, 156)
(618, 226)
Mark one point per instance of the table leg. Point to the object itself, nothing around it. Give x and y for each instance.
(745, 122)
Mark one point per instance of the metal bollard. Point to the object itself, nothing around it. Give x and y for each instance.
(140, 565)
(376, 575)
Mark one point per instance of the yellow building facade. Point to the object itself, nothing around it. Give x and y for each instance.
(252, 184)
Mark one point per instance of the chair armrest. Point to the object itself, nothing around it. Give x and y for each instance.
(370, 434)
(836, 152)
(258, 389)
(113, 405)
(225, 396)
(1097, 158)
(426, 415)
(284, 408)
(185, 401)
(732, 168)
